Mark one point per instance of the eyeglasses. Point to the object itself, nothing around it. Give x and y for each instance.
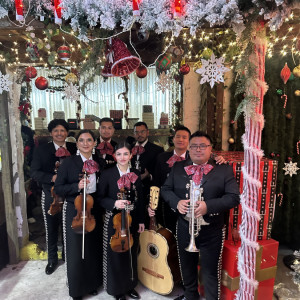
(201, 147)
(140, 132)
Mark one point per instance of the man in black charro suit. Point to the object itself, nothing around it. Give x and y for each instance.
(43, 171)
(106, 145)
(220, 192)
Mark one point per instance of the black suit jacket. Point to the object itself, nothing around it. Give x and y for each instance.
(109, 159)
(107, 193)
(66, 183)
(220, 190)
(43, 163)
(148, 158)
(162, 169)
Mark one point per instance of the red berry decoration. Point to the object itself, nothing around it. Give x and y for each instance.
(184, 69)
(141, 72)
(41, 83)
(30, 72)
(64, 52)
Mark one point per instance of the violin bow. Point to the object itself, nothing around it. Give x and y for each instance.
(84, 206)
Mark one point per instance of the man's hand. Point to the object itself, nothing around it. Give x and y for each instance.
(183, 206)
(200, 209)
(145, 174)
(81, 183)
(151, 212)
(53, 178)
(220, 160)
(121, 204)
(141, 228)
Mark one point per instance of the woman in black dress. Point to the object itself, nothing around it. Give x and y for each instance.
(120, 268)
(83, 275)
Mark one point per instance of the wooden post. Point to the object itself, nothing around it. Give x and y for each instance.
(7, 184)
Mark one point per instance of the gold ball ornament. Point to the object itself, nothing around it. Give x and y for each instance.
(197, 65)
(297, 93)
(71, 78)
(296, 71)
(231, 140)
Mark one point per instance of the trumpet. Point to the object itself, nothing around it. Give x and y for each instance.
(194, 223)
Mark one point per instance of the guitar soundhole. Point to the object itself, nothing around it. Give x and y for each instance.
(153, 250)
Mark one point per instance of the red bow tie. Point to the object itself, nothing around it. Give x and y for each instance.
(137, 150)
(197, 171)
(105, 148)
(126, 180)
(172, 160)
(90, 166)
(62, 152)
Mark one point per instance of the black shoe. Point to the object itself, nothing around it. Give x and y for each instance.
(77, 298)
(120, 297)
(93, 292)
(133, 294)
(50, 268)
(180, 298)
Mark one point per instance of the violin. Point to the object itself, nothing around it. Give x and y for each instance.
(58, 201)
(122, 240)
(84, 221)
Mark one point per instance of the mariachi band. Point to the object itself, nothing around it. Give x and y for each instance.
(98, 191)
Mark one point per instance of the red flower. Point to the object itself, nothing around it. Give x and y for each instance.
(26, 150)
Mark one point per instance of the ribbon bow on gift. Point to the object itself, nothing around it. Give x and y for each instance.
(126, 180)
(62, 152)
(105, 148)
(172, 160)
(90, 166)
(137, 150)
(197, 171)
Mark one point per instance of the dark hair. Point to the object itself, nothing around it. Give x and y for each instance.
(71, 133)
(123, 145)
(56, 122)
(106, 119)
(130, 140)
(201, 134)
(181, 127)
(140, 124)
(85, 131)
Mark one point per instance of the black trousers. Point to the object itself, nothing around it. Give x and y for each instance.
(52, 224)
(210, 243)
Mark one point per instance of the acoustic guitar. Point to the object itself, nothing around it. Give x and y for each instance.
(158, 265)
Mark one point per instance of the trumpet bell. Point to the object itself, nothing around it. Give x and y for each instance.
(192, 248)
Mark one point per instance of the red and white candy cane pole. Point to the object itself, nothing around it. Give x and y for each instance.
(19, 10)
(251, 172)
(57, 11)
(136, 7)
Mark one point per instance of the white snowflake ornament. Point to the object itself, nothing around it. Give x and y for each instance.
(290, 168)
(71, 92)
(164, 82)
(4, 82)
(212, 70)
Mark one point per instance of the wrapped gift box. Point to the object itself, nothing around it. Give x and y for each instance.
(73, 124)
(116, 114)
(40, 123)
(148, 118)
(147, 108)
(59, 115)
(42, 112)
(266, 266)
(267, 194)
(89, 124)
(164, 120)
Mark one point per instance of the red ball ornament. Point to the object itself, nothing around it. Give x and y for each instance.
(285, 73)
(141, 72)
(41, 83)
(184, 69)
(64, 52)
(30, 72)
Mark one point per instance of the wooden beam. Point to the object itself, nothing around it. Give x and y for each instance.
(7, 184)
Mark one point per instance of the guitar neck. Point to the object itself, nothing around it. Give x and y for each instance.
(152, 224)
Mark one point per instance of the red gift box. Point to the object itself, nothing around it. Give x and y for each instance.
(116, 114)
(266, 198)
(266, 261)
